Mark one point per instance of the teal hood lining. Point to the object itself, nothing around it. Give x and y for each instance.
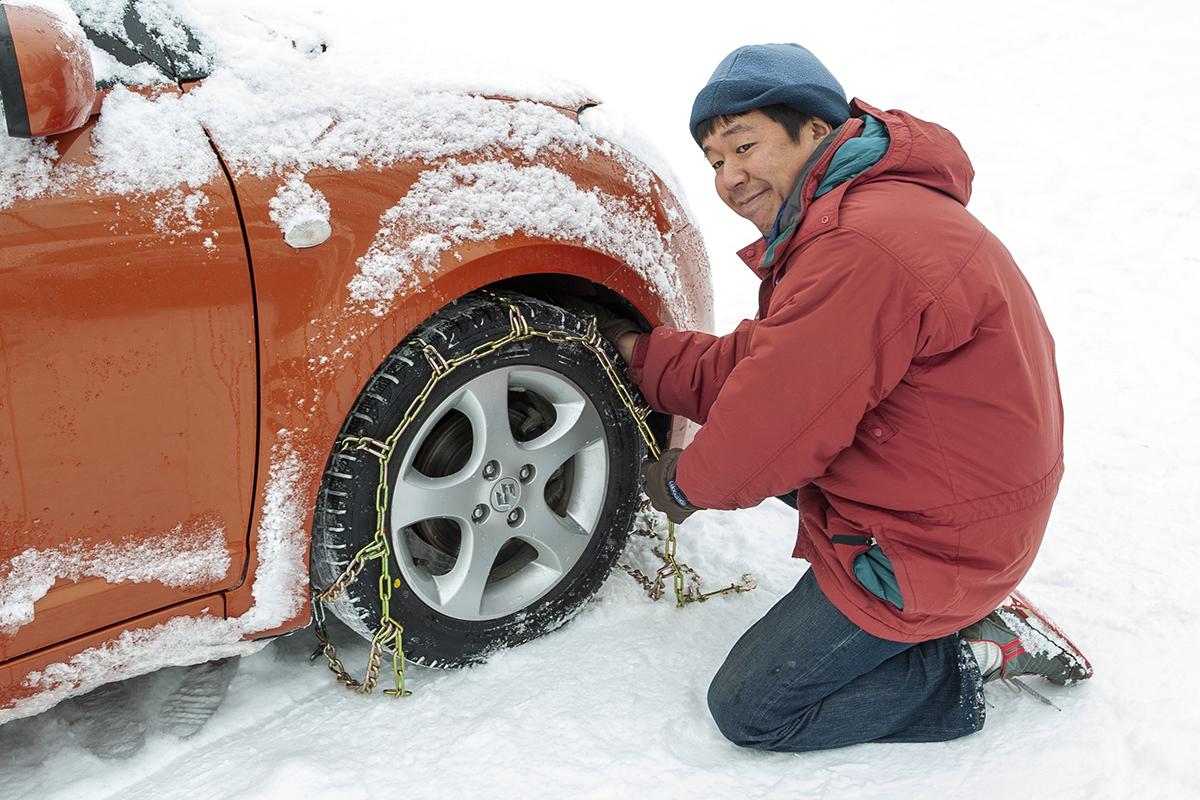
(852, 158)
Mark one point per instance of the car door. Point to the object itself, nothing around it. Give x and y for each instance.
(128, 398)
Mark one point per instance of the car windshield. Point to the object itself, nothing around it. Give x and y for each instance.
(141, 41)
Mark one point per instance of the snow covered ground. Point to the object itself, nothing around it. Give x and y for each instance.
(1081, 121)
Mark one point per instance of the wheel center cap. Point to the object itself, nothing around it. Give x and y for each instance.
(506, 493)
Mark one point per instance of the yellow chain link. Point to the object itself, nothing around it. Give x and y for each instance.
(390, 631)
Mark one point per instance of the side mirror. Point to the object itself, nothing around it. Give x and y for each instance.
(46, 78)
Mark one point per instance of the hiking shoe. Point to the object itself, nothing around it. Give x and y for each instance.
(1030, 644)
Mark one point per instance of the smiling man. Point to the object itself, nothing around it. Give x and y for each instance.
(897, 384)
(757, 185)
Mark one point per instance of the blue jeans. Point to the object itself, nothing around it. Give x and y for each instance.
(804, 677)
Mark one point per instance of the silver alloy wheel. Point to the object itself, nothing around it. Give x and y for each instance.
(500, 495)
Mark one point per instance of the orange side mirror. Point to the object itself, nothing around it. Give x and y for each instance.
(46, 78)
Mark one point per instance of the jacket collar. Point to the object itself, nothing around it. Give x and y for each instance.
(793, 208)
(805, 226)
(797, 203)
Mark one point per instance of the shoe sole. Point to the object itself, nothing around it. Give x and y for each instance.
(1045, 626)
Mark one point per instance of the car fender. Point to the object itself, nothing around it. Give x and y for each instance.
(319, 340)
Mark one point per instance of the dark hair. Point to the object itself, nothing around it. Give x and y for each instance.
(791, 120)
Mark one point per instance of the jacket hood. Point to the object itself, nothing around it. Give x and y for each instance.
(919, 152)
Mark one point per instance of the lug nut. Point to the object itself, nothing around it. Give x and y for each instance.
(515, 516)
(491, 469)
(526, 473)
(480, 513)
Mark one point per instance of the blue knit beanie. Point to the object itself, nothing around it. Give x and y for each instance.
(760, 75)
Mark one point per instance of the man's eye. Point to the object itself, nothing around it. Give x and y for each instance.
(717, 164)
(743, 148)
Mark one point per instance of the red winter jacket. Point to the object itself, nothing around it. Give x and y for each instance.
(899, 373)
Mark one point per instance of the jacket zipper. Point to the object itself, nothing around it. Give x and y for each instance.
(840, 538)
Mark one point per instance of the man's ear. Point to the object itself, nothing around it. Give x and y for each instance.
(818, 128)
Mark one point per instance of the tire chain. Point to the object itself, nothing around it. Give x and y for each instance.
(656, 587)
(391, 632)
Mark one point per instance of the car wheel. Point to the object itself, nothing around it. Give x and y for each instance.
(511, 491)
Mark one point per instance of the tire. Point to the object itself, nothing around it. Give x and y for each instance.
(489, 553)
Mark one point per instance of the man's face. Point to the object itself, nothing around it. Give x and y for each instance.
(757, 164)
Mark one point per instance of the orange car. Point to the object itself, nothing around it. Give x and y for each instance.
(236, 354)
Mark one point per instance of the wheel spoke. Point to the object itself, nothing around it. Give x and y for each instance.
(461, 589)
(485, 402)
(576, 427)
(559, 540)
(418, 497)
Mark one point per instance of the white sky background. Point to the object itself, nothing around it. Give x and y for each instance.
(1081, 121)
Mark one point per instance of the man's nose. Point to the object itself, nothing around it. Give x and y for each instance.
(731, 176)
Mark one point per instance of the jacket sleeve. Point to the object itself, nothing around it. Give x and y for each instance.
(840, 335)
(682, 372)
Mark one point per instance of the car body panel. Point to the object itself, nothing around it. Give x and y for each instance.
(129, 406)
(31, 679)
(319, 346)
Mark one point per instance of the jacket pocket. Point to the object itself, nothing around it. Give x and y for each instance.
(875, 426)
(871, 568)
(874, 572)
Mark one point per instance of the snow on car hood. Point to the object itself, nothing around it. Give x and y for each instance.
(277, 104)
(491, 199)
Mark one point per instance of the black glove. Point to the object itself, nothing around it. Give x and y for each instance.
(664, 493)
(610, 324)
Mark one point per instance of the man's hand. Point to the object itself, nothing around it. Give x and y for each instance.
(625, 344)
(621, 331)
(664, 493)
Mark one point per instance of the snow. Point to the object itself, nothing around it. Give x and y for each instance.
(128, 161)
(479, 202)
(174, 160)
(281, 578)
(378, 123)
(603, 122)
(178, 558)
(1076, 116)
(181, 641)
(104, 16)
(166, 20)
(25, 167)
(298, 209)
(110, 71)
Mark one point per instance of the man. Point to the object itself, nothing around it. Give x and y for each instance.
(898, 385)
